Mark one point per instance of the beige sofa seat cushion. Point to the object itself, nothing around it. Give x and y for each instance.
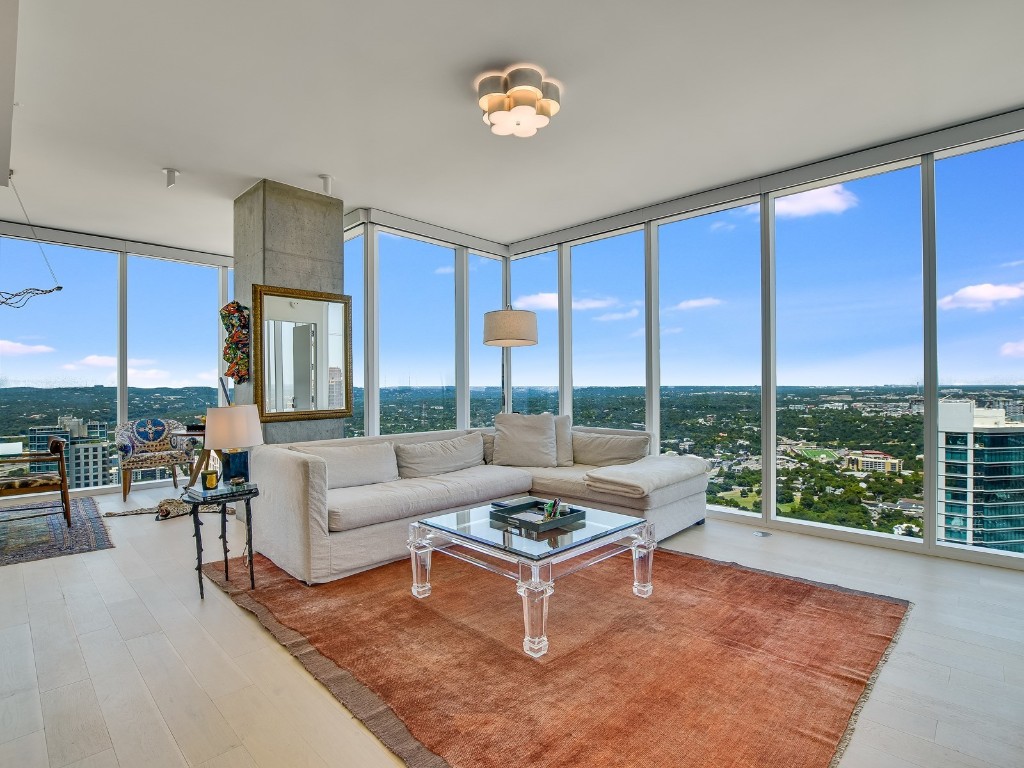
(356, 464)
(643, 477)
(525, 440)
(569, 483)
(440, 456)
(349, 508)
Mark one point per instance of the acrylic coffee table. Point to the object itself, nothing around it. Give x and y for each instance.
(533, 561)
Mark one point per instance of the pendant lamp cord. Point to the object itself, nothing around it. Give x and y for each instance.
(35, 236)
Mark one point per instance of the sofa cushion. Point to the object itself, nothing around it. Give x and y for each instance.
(488, 447)
(356, 464)
(355, 507)
(563, 440)
(525, 440)
(440, 456)
(602, 450)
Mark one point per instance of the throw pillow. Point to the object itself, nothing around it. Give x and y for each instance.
(563, 440)
(356, 464)
(523, 440)
(439, 456)
(602, 450)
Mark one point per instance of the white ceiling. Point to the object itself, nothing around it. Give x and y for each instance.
(660, 99)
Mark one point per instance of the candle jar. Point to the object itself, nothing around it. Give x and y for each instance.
(209, 479)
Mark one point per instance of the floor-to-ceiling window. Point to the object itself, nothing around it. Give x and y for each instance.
(710, 329)
(58, 356)
(417, 335)
(850, 352)
(354, 286)
(535, 368)
(484, 286)
(980, 292)
(609, 366)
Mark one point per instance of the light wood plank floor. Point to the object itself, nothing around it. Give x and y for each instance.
(110, 658)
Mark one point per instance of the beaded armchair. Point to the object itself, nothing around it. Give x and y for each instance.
(147, 444)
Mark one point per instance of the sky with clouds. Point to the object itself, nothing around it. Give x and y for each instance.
(848, 282)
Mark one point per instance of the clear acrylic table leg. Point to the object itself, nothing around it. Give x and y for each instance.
(643, 547)
(420, 549)
(535, 585)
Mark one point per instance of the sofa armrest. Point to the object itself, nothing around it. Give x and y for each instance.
(290, 514)
(643, 477)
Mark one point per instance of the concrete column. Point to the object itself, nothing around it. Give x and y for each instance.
(292, 238)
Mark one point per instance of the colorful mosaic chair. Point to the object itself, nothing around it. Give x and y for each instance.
(147, 444)
(36, 482)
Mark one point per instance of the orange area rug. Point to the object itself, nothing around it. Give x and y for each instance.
(721, 666)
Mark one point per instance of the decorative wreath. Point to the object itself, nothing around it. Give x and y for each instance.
(235, 318)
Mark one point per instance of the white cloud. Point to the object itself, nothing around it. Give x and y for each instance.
(628, 315)
(1012, 349)
(1018, 263)
(670, 331)
(594, 303)
(69, 367)
(833, 199)
(99, 361)
(982, 297)
(444, 271)
(722, 226)
(537, 301)
(17, 348)
(707, 301)
(639, 333)
(545, 301)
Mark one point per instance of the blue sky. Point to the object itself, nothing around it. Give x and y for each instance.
(848, 298)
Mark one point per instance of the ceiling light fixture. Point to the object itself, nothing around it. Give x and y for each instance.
(518, 101)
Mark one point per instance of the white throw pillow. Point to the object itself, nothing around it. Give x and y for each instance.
(605, 450)
(523, 440)
(356, 464)
(437, 457)
(563, 440)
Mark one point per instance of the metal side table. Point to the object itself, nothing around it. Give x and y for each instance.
(222, 495)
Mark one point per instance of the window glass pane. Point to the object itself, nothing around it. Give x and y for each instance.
(535, 368)
(609, 366)
(850, 354)
(484, 361)
(710, 286)
(417, 335)
(980, 288)
(355, 287)
(58, 357)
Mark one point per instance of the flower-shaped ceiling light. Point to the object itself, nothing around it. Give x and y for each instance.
(517, 102)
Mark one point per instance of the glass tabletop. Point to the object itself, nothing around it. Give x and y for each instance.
(477, 525)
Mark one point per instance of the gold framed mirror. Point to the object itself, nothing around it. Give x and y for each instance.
(301, 354)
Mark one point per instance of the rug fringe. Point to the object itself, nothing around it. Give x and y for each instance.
(848, 734)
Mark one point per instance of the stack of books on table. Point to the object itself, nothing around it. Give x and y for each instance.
(202, 494)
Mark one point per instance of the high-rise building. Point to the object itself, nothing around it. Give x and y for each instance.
(335, 387)
(88, 454)
(981, 477)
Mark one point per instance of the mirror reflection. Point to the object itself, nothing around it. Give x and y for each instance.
(302, 351)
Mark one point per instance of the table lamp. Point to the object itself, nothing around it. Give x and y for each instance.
(230, 430)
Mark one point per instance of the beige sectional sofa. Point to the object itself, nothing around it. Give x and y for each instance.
(331, 508)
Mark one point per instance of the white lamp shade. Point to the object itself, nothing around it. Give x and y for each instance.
(236, 426)
(510, 328)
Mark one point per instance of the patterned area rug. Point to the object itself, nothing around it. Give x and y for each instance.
(38, 538)
(167, 509)
(722, 666)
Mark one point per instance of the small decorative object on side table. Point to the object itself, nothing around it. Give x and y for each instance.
(223, 495)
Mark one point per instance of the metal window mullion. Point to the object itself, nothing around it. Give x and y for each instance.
(929, 270)
(122, 336)
(222, 292)
(768, 370)
(371, 332)
(461, 337)
(564, 329)
(506, 352)
(653, 335)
